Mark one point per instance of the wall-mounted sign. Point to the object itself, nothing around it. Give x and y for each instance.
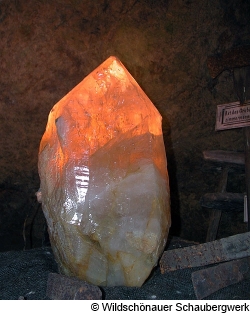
(232, 115)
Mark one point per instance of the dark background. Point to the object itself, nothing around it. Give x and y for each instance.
(48, 46)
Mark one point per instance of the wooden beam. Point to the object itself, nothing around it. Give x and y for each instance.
(225, 249)
(223, 201)
(210, 280)
(222, 156)
(61, 287)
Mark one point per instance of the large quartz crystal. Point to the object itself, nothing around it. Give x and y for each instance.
(104, 181)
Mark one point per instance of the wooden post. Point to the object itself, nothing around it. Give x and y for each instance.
(242, 88)
(247, 170)
(216, 214)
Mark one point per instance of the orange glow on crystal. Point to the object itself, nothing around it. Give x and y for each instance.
(104, 181)
(106, 116)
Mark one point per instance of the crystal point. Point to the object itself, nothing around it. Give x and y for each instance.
(104, 181)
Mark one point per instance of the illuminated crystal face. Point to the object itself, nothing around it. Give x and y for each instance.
(104, 181)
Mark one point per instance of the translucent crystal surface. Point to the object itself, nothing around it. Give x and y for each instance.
(104, 182)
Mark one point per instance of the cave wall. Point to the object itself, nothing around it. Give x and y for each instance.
(49, 46)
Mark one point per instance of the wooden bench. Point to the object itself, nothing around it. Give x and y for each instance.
(222, 200)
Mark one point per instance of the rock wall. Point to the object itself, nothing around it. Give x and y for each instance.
(47, 47)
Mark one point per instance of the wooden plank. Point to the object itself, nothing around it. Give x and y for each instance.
(222, 156)
(225, 249)
(210, 280)
(215, 215)
(61, 287)
(213, 226)
(223, 201)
